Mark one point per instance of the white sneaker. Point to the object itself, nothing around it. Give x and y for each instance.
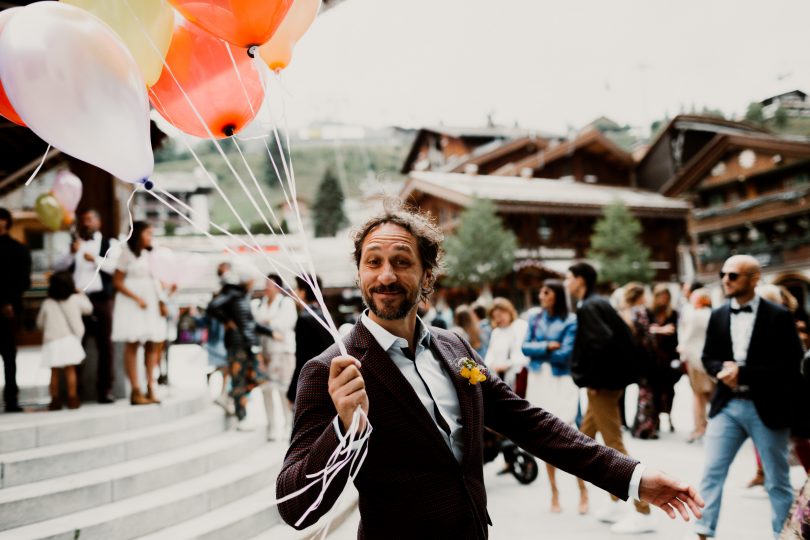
(226, 403)
(611, 512)
(634, 523)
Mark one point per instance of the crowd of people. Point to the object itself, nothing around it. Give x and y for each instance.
(649, 337)
(742, 357)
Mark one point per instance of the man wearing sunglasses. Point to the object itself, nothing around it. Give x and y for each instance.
(753, 350)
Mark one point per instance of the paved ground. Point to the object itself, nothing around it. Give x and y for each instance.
(521, 512)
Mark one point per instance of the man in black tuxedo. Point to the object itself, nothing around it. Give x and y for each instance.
(753, 350)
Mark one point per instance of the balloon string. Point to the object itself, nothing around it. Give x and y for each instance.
(275, 264)
(103, 260)
(255, 247)
(41, 163)
(313, 282)
(257, 66)
(322, 320)
(167, 69)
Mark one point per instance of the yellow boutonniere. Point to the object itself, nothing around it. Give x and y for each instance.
(472, 371)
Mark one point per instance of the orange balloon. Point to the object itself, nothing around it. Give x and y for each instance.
(68, 219)
(6, 109)
(202, 65)
(242, 22)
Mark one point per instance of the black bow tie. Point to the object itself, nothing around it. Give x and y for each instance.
(742, 309)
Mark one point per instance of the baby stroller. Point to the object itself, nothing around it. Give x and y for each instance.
(519, 463)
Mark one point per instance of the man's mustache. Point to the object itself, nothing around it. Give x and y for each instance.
(383, 289)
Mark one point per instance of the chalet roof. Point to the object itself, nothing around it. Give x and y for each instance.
(475, 135)
(700, 165)
(486, 154)
(711, 124)
(591, 140)
(792, 93)
(518, 194)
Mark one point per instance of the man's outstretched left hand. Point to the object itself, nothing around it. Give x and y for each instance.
(669, 494)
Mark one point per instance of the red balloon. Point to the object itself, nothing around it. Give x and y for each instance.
(201, 64)
(242, 22)
(6, 109)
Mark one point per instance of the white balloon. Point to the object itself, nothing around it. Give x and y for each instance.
(78, 87)
(182, 269)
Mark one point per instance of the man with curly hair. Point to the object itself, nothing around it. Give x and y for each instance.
(423, 475)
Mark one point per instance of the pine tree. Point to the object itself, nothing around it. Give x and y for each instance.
(616, 245)
(754, 113)
(327, 212)
(481, 250)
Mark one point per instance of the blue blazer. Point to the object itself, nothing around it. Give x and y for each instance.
(542, 330)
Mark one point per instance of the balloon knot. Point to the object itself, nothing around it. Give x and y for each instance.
(252, 51)
(229, 130)
(148, 184)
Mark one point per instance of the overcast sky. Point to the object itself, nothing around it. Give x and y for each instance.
(544, 64)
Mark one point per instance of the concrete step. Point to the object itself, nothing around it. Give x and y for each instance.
(31, 394)
(39, 501)
(253, 517)
(31, 430)
(155, 510)
(343, 512)
(33, 465)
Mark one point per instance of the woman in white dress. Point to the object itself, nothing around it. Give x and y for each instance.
(549, 343)
(139, 315)
(504, 356)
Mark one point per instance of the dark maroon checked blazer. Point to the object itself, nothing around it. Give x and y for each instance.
(410, 485)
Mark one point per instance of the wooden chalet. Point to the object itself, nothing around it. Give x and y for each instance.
(445, 148)
(553, 220)
(750, 192)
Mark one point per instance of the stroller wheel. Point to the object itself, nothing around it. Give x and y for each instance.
(524, 468)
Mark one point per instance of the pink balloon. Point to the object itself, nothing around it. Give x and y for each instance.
(67, 189)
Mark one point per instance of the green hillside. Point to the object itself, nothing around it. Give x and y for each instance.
(354, 163)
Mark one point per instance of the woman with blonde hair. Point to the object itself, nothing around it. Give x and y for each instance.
(692, 336)
(664, 330)
(504, 355)
(635, 314)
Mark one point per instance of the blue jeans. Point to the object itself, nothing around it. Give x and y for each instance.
(724, 436)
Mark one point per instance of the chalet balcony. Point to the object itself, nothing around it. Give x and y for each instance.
(763, 208)
(784, 252)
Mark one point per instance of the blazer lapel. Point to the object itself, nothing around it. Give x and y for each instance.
(376, 363)
(725, 329)
(467, 394)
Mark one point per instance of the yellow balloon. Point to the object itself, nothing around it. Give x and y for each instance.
(143, 25)
(277, 53)
(49, 211)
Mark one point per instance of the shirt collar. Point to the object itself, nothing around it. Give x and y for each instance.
(754, 303)
(387, 340)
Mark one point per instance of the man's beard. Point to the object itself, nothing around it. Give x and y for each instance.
(391, 313)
